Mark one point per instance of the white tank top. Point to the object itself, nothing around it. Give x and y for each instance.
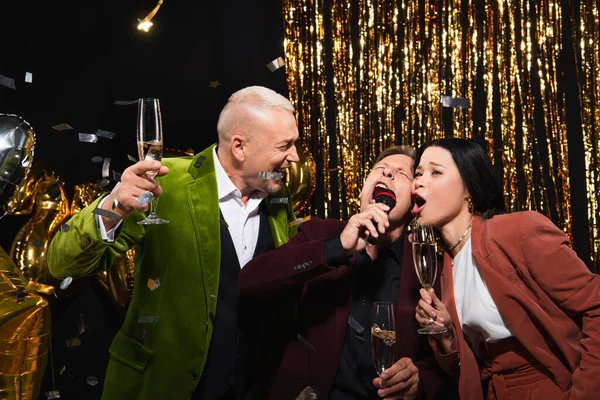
(478, 315)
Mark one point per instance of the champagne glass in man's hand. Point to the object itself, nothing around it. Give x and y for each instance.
(150, 147)
(424, 247)
(383, 336)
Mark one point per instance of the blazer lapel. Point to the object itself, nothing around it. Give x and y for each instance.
(203, 204)
(407, 300)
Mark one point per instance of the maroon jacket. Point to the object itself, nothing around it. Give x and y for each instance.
(299, 268)
(546, 295)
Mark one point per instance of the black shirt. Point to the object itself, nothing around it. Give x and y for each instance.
(377, 280)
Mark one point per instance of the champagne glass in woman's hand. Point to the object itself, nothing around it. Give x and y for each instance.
(150, 145)
(383, 336)
(424, 247)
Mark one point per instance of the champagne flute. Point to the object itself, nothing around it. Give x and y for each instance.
(383, 336)
(150, 145)
(424, 248)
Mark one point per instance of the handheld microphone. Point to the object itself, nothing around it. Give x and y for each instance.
(387, 197)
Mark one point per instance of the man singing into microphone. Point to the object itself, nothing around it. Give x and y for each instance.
(335, 271)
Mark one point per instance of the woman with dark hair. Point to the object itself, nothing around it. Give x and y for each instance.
(522, 310)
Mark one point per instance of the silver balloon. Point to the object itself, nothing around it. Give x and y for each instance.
(17, 141)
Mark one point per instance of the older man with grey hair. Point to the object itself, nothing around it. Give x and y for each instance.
(185, 335)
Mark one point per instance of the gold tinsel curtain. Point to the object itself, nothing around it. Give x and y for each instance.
(368, 74)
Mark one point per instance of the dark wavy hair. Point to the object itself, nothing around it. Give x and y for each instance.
(479, 176)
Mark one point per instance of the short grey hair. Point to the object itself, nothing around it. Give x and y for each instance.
(240, 105)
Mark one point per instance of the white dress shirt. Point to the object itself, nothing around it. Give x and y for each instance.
(243, 220)
(477, 312)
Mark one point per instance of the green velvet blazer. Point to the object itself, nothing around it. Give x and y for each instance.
(161, 349)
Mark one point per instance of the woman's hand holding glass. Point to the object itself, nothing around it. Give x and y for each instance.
(431, 308)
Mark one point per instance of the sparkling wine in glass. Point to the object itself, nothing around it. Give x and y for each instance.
(424, 248)
(383, 336)
(150, 145)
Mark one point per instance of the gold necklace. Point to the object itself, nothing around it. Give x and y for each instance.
(462, 237)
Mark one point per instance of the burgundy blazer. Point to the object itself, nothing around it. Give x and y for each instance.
(547, 296)
(325, 298)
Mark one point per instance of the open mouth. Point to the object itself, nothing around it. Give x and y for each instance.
(379, 188)
(419, 203)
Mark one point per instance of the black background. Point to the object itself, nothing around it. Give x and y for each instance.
(86, 55)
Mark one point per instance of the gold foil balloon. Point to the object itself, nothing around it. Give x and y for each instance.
(300, 179)
(24, 334)
(24, 314)
(47, 197)
(118, 280)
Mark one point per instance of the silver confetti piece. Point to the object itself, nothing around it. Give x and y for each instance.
(53, 394)
(455, 102)
(88, 138)
(307, 394)
(92, 380)
(66, 282)
(62, 127)
(65, 228)
(145, 198)
(28, 77)
(97, 159)
(125, 102)
(270, 175)
(116, 176)
(276, 64)
(148, 319)
(105, 134)
(105, 213)
(279, 200)
(8, 82)
(102, 183)
(106, 168)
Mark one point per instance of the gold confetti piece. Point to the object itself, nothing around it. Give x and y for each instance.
(132, 158)
(214, 84)
(62, 127)
(62, 370)
(153, 284)
(74, 342)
